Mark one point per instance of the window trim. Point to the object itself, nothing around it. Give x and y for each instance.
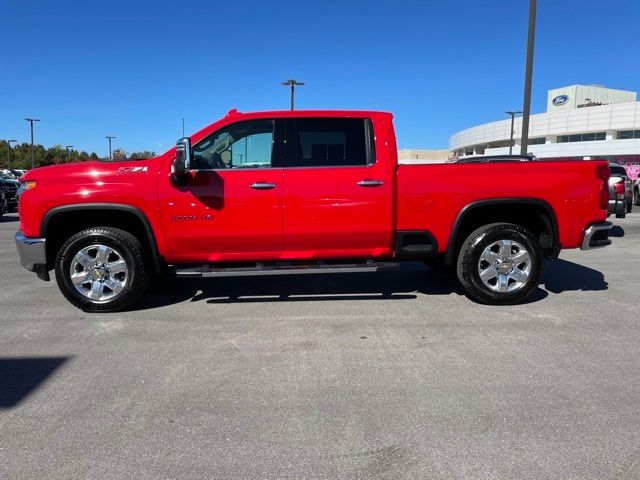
(277, 160)
(370, 142)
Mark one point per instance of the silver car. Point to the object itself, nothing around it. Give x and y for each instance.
(624, 193)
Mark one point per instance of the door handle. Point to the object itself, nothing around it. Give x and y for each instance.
(263, 186)
(370, 183)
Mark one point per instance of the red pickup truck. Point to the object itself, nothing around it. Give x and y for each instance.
(302, 192)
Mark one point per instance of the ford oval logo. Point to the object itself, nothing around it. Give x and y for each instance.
(560, 100)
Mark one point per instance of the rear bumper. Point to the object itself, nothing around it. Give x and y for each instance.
(596, 236)
(33, 254)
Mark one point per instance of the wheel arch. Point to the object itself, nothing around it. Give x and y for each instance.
(539, 216)
(111, 215)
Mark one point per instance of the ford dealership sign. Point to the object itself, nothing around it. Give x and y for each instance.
(560, 100)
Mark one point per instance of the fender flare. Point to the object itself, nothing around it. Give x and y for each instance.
(158, 262)
(553, 226)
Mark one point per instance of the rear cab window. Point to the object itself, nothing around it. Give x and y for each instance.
(329, 142)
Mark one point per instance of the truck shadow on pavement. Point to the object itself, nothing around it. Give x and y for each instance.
(7, 217)
(20, 376)
(406, 284)
(561, 276)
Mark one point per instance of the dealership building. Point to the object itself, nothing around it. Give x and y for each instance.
(581, 122)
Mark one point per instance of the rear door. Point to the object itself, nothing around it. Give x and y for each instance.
(337, 198)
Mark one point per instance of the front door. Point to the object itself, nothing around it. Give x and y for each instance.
(230, 207)
(337, 199)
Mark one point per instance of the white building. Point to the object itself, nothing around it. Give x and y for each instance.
(585, 122)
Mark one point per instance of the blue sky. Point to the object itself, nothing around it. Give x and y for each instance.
(133, 69)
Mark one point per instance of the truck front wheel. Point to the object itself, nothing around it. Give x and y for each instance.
(101, 269)
(499, 264)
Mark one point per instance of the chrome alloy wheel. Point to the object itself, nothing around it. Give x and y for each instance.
(99, 272)
(504, 266)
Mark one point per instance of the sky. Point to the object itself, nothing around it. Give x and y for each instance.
(134, 69)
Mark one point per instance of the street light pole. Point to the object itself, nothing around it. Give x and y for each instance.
(110, 137)
(67, 148)
(9, 142)
(526, 107)
(293, 84)
(513, 114)
(31, 120)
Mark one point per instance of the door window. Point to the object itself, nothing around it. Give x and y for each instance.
(241, 145)
(329, 142)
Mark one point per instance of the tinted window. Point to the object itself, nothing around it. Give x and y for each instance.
(325, 142)
(241, 145)
(617, 170)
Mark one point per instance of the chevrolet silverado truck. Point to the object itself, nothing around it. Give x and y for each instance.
(302, 192)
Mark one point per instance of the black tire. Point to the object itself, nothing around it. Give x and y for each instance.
(129, 248)
(636, 197)
(629, 207)
(469, 259)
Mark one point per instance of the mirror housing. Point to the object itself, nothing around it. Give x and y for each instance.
(182, 163)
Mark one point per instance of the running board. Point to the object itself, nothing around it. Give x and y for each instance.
(207, 271)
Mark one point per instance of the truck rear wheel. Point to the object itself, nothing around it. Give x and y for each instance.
(500, 264)
(101, 269)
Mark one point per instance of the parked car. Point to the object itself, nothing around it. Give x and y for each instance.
(3, 203)
(624, 187)
(9, 186)
(636, 193)
(296, 192)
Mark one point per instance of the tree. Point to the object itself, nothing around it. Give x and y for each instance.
(142, 155)
(119, 154)
(21, 155)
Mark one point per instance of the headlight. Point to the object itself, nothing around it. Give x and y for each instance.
(26, 185)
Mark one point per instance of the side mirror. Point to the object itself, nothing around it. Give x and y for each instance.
(182, 163)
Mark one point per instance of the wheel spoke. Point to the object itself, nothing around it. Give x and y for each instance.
(102, 254)
(96, 290)
(117, 266)
(521, 257)
(488, 274)
(518, 275)
(503, 283)
(83, 259)
(114, 285)
(80, 277)
(489, 256)
(505, 248)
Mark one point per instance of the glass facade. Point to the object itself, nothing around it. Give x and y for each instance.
(582, 137)
(628, 134)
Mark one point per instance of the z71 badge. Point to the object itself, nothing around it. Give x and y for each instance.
(133, 169)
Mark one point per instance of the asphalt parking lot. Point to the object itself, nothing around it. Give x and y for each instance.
(384, 376)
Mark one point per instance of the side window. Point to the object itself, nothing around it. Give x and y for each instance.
(327, 142)
(241, 145)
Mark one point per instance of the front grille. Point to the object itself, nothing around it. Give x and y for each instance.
(10, 192)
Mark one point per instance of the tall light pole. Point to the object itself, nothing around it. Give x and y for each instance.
(513, 114)
(67, 149)
(110, 137)
(526, 107)
(31, 120)
(9, 142)
(293, 84)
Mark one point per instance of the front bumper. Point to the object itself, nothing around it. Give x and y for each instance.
(596, 236)
(33, 254)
